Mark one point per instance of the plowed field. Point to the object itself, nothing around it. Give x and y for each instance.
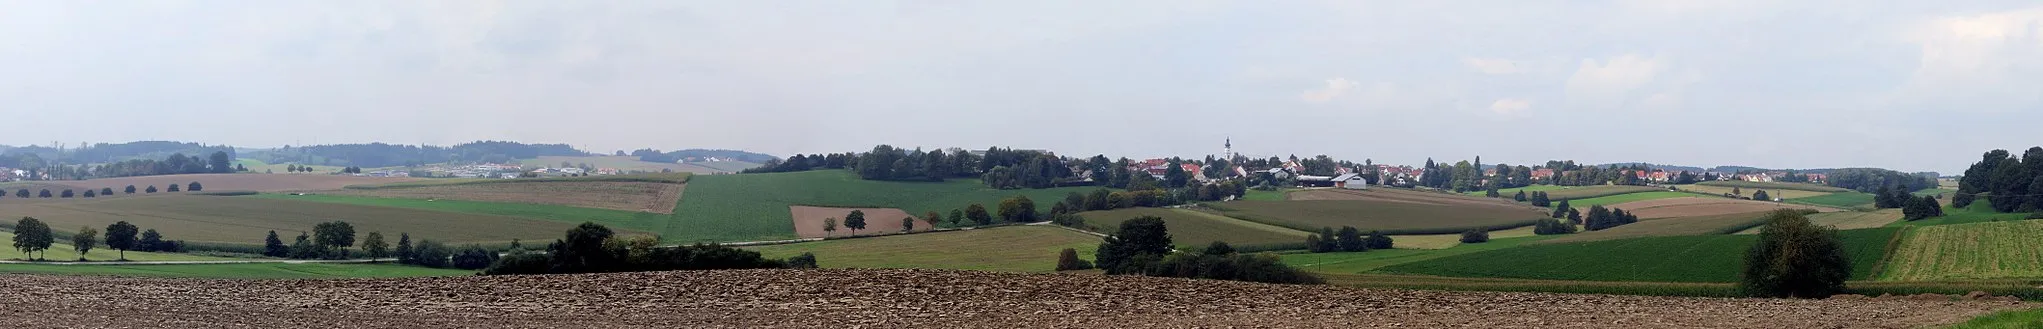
(808, 221)
(892, 299)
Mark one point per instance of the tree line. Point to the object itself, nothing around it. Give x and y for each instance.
(32, 236)
(1142, 246)
(89, 193)
(1348, 239)
(2008, 183)
(593, 248)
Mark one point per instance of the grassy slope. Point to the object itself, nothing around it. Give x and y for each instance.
(1711, 258)
(238, 271)
(754, 206)
(62, 251)
(1979, 212)
(1359, 262)
(631, 220)
(1193, 229)
(1701, 225)
(1006, 249)
(1993, 250)
(1840, 200)
(1584, 204)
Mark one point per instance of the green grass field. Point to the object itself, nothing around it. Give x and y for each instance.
(615, 219)
(1979, 212)
(1993, 250)
(1259, 195)
(1702, 225)
(1004, 249)
(1360, 262)
(1774, 186)
(1558, 193)
(246, 220)
(1709, 258)
(752, 207)
(238, 271)
(1841, 200)
(1192, 229)
(2018, 319)
(1394, 218)
(63, 252)
(1584, 204)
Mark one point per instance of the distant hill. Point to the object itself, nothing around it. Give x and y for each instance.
(651, 155)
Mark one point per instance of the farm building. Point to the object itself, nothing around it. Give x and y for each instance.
(1352, 182)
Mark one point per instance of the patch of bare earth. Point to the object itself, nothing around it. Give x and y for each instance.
(895, 299)
(1702, 206)
(808, 221)
(627, 196)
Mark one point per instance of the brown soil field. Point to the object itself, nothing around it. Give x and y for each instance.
(1404, 196)
(1703, 206)
(808, 221)
(247, 220)
(627, 196)
(895, 299)
(236, 182)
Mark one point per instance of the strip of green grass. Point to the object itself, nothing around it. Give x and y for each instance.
(2022, 319)
(1558, 193)
(1003, 249)
(748, 207)
(1709, 258)
(619, 219)
(1261, 195)
(238, 271)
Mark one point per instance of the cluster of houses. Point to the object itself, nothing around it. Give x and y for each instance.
(11, 174)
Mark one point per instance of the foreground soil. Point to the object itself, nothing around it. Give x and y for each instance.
(892, 299)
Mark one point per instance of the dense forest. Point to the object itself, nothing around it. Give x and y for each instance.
(388, 155)
(2008, 183)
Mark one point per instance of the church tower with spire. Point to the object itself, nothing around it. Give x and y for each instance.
(1227, 149)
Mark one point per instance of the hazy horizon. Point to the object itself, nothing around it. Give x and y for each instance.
(1911, 86)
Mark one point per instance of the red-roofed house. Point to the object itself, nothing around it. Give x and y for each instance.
(1542, 173)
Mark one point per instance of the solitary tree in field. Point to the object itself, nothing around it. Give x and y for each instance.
(1349, 239)
(44, 194)
(173, 188)
(1761, 195)
(855, 221)
(91, 193)
(934, 218)
(106, 191)
(121, 236)
(274, 247)
(131, 189)
(151, 189)
(84, 241)
(829, 226)
(67, 194)
(907, 224)
(1795, 258)
(30, 236)
(22, 193)
(151, 241)
(194, 187)
(337, 235)
(374, 247)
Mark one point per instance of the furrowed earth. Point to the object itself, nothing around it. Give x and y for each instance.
(894, 299)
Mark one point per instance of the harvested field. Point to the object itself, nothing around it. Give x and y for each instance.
(1699, 225)
(1747, 192)
(1391, 217)
(808, 221)
(1405, 196)
(1770, 186)
(246, 220)
(1702, 206)
(1005, 249)
(895, 299)
(1195, 229)
(1582, 192)
(236, 182)
(1969, 251)
(627, 196)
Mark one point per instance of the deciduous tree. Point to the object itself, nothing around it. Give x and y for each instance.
(829, 226)
(1350, 240)
(1795, 258)
(977, 214)
(374, 247)
(274, 247)
(84, 240)
(855, 221)
(121, 236)
(31, 236)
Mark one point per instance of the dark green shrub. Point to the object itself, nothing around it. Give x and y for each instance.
(1475, 236)
(805, 260)
(474, 257)
(1068, 260)
(1795, 258)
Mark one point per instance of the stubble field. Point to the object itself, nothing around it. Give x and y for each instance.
(895, 299)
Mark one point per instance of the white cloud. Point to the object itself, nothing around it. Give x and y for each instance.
(1493, 65)
(1611, 82)
(1333, 89)
(1511, 106)
(1976, 60)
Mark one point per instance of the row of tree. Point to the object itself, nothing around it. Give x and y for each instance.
(1142, 246)
(2009, 184)
(218, 162)
(593, 248)
(32, 236)
(1348, 239)
(45, 193)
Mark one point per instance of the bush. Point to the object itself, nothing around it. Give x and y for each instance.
(1552, 227)
(1475, 236)
(592, 248)
(1795, 258)
(805, 260)
(1379, 241)
(1218, 248)
(474, 257)
(518, 263)
(431, 253)
(1262, 267)
(2038, 215)
(1068, 260)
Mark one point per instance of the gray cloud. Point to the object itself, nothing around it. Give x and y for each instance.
(1910, 85)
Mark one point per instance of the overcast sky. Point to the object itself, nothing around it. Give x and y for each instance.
(1909, 85)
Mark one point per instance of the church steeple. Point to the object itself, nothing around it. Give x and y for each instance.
(1228, 149)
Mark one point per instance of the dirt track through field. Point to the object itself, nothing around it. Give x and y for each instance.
(626, 196)
(893, 299)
